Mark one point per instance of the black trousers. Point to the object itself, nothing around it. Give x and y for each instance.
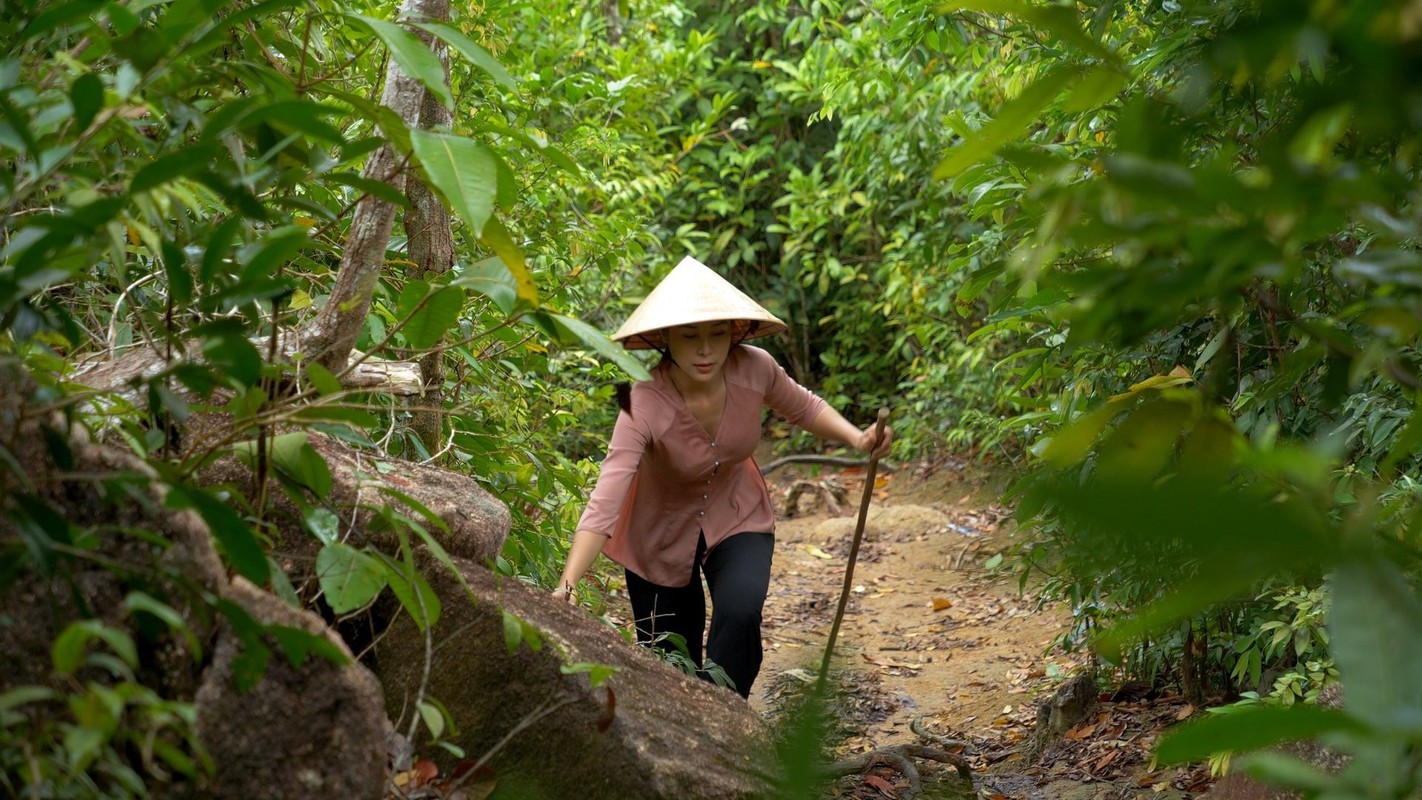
(738, 574)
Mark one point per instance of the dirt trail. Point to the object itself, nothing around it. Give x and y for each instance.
(936, 628)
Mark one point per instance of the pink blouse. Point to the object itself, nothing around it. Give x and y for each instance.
(665, 479)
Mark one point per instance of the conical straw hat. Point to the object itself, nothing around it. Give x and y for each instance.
(692, 293)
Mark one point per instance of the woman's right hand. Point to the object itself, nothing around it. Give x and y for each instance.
(566, 594)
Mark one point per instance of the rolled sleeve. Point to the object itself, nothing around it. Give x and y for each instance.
(614, 482)
(783, 394)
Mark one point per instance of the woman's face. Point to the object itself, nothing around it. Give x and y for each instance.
(700, 350)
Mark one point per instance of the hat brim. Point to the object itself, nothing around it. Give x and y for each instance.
(746, 330)
(692, 293)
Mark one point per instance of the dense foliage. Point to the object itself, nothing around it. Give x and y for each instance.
(1163, 254)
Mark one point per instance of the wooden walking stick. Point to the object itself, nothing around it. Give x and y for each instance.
(854, 547)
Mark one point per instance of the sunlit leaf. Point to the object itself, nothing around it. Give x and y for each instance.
(491, 278)
(417, 60)
(497, 238)
(591, 337)
(463, 171)
(428, 316)
(349, 578)
(472, 51)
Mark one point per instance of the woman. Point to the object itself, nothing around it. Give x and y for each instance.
(679, 496)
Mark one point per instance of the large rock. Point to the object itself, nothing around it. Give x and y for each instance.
(656, 734)
(362, 482)
(111, 507)
(318, 730)
(883, 523)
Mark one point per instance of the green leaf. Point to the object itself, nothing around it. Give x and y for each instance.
(175, 267)
(513, 631)
(1277, 769)
(428, 315)
(349, 578)
(472, 51)
(1376, 630)
(372, 187)
(517, 631)
(1406, 443)
(537, 144)
(597, 673)
(87, 97)
(413, 591)
(1250, 729)
(323, 524)
(1059, 20)
(275, 248)
(293, 454)
(417, 60)
(597, 340)
(71, 645)
(1073, 442)
(491, 278)
(1011, 121)
(139, 601)
(1143, 443)
(463, 171)
(230, 353)
(233, 536)
(497, 238)
(1096, 89)
(321, 378)
(58, 15)
(171, 166)
(298, 644)
(22, 695)
(433, 718)
(302, 116)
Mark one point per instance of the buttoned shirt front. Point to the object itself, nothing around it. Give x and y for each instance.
(665, 479)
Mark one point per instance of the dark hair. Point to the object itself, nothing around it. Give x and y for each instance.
(623, 391)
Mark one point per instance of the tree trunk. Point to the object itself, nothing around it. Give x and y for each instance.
(328, 339)
(1192, 664)
(430, 244)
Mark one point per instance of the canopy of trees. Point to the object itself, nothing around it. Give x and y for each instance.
(1160, 257)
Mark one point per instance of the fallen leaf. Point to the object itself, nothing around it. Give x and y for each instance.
(423, 772)
(882, 785)
(1184, 712)
(1079, 732)
(891, 664)
(817, 552)
(1102, 762)
(941, 603)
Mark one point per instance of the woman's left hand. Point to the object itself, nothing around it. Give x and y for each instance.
(866, 441)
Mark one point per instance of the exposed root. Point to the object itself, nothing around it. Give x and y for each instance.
(933, 738)
(898, 757)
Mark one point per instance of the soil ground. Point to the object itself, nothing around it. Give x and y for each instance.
(936, 630)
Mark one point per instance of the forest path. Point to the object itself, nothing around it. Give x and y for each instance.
(936, 628)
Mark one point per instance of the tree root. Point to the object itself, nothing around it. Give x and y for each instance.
(933, 738)
(898, 757)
